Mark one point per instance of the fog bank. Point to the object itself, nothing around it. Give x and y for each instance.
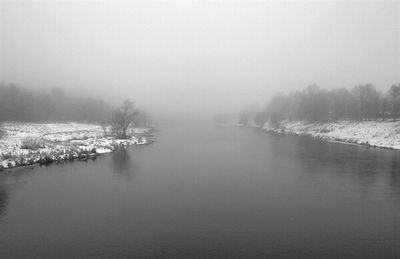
(192, 57)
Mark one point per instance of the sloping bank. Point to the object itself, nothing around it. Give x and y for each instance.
(35, 143)
(382, 134)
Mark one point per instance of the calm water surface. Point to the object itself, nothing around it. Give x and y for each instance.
(208, 192)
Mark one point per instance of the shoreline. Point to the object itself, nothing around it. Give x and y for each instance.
(378, 134)
(32, 144)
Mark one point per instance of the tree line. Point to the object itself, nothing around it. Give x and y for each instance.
(22, 104)
(315, 104)
(25, 105)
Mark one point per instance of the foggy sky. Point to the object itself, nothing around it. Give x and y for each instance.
(198, 56)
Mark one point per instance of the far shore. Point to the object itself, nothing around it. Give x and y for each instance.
(380, 134)
(29, 144)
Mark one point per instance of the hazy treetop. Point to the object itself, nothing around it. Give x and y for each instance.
(202, 55)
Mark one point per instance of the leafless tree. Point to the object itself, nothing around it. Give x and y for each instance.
(394, 94)
(122, 118)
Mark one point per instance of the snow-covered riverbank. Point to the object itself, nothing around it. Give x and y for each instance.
(383, 134)
(30, 143)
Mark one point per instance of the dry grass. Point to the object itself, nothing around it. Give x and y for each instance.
(2, 132)
(32, 143)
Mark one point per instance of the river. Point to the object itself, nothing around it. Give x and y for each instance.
(208, 192)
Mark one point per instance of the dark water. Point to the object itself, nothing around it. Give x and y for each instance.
(208, 192)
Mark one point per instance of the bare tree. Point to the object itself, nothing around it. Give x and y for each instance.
(104, 125)
(394, 94)
(319, 105)
(122, 118)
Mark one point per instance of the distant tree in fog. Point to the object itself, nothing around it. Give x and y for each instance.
(342, 105)
(394, 95)
(368, 99)
(248, 114)
(123, 117)
(278, 108)
(275, 119)
(260, 118)
(21, 104)
(313, 104)
(385, 107)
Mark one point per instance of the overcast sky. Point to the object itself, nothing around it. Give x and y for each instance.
(206, 56)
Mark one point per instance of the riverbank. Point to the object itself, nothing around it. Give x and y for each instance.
(382, 134)
(43, 143)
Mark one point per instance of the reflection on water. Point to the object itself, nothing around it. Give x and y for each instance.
(366, 166)
(3, 199)
(123, 165)
(394, 180)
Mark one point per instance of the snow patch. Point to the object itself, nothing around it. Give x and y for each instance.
(30, 143)
(383, 134)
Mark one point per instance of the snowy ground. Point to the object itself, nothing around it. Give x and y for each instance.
(30, 143)
(383, 134)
